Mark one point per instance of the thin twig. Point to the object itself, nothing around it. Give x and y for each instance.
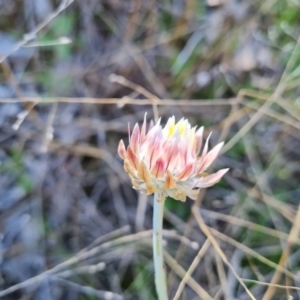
(141, 90)
(87, 290)
(32, 35)
(162, 102)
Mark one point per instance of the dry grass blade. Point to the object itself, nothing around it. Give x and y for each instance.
(264, 109)
(191, 269)
(187, 232)
(272, 284)
(291, 108)
(10, 77)
(190, 281)
(292, 238)
(126, 100)
(250, 225)
(88, 253)
(109, 236)
(253, 253)
(121, 80)
(89, 291)
(282, 208)
(221, 274)
(206, 231)
(76, 259)
(87, 150)
(31, 35)
(148, 72)
(253, 120)
(276, 115)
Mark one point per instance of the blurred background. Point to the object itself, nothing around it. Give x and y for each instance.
(73, 74)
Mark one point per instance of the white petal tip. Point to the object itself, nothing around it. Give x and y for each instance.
(225, 171)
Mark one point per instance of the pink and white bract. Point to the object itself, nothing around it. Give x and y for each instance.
(166, 160)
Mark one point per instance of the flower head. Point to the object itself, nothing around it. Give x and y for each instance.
(166, 161)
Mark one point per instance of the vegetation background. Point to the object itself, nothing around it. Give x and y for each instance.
(74, 73)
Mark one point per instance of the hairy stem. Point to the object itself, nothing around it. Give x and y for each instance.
(160, 277)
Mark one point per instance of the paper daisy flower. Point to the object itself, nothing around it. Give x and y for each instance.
(168, 160)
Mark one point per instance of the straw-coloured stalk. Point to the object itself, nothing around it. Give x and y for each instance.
(165, 161)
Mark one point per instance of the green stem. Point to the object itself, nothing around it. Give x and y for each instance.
(160, 277)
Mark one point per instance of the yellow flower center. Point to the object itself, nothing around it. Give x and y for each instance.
(181, 127)
(171, 131)
(171, 128)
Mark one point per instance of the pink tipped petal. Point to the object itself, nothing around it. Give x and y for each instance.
(205, 149)
(190, 158)
(186, 172)
(191, 153)
(181, 162)
(210, 157)
(157, 148)
(153, 131)
(167, 150)
(173, 158)
(170, 152)
(191, 149)
(158, 170)
(149, 142)
(199, 138)
(149, 138)
(122, 150)
(135, 138)
(185, 154)
(212, 179)
(152, 125)
(132, 158)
